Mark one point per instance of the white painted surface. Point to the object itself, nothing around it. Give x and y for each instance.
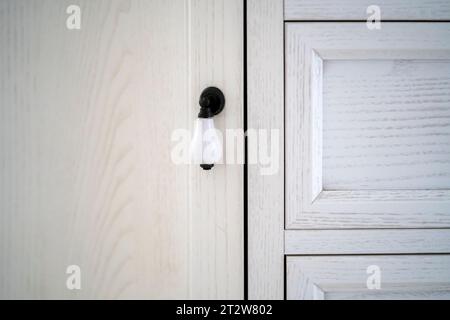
(330, 130)
(402, 204)
(386, 124)
(86, 176)
(265, 111)
(216, 229)
(357, 9)
(375, 241)
(345, 277)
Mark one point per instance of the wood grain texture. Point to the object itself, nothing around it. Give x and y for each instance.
(386, 124)
(407, 197)
(86, 175)
(265, 111)
(377, 241)
(216, 59)
(345, 277)
(356, 9)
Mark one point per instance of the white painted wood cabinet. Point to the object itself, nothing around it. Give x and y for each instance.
(86, 174)
(366, 120)
(87, 179)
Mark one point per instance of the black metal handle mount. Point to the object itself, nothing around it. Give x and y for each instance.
(212, 102)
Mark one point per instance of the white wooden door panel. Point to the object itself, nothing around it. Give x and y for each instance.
(86, 174)
(367, 125)
(346, 277)
(366, 148)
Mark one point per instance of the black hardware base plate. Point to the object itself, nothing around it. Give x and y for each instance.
(217, 98)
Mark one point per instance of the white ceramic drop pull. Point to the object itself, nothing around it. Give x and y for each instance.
(206, 147)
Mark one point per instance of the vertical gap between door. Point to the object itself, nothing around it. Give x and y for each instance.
(284, 156)
(245, 154)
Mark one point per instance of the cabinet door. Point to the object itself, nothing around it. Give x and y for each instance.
(368, 277)
(91, 122)
(367, 125)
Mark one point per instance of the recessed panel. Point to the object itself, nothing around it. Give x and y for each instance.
(386, 124)
(373, 277)
(367, 120)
